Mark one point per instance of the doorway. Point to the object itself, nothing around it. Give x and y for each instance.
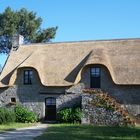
(50, 109)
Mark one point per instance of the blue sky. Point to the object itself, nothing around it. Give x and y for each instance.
(84, 19)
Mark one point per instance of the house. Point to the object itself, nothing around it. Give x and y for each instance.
(48, 77)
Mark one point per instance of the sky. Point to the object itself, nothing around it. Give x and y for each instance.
(84, 19)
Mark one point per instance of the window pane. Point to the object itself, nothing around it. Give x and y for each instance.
(28, 76)
(53, 101)
(50, 101)
(97, 70)
(26, 72)
(93, 70)
(30, 81)
(30, 72)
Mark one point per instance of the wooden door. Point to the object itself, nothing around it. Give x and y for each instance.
(50, 110)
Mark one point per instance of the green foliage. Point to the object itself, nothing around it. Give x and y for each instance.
(19, 114)
(65, 115)
(70, 115)
(7, 115)
(24, 115)
(77, 114)
(25, 23)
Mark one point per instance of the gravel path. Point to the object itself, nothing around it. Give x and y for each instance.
(24, 133)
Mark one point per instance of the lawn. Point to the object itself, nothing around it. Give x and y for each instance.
(84, 132)
(12, 126)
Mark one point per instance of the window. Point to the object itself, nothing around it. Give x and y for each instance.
(28, 76)
(95, 74)
(13, 100)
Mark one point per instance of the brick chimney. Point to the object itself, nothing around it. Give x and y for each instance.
(17, 40)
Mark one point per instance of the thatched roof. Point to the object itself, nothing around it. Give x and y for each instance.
(60, 64)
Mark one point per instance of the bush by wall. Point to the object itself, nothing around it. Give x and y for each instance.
(24, 115)
(70, 115)
(7, 115)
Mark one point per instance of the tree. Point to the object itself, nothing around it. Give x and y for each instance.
(25, 23)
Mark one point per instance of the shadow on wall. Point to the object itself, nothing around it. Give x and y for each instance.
(69, 100)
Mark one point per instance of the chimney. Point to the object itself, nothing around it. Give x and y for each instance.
(17, 40)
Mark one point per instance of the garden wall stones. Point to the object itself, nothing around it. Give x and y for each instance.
(97, 115)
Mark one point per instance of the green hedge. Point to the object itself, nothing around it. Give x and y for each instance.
(7, 115)
(24, 115)
(70, 115)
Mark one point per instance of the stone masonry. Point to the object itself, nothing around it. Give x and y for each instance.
(98, 115)
(33, 96)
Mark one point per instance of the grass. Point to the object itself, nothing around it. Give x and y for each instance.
(84, 132)
(13, 126)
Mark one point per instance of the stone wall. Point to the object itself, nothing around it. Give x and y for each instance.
(97, 115)
(27, 97)
(33, 96)
(34, 99)
(69, 100)
(6, 94)
(127, 95)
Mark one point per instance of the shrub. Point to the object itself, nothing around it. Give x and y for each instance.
(7, 115)
(24, 115)
(65, 115)
(70, 115)
(77, 115)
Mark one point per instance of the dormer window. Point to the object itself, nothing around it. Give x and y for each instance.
(95, 74)
(28, 77)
